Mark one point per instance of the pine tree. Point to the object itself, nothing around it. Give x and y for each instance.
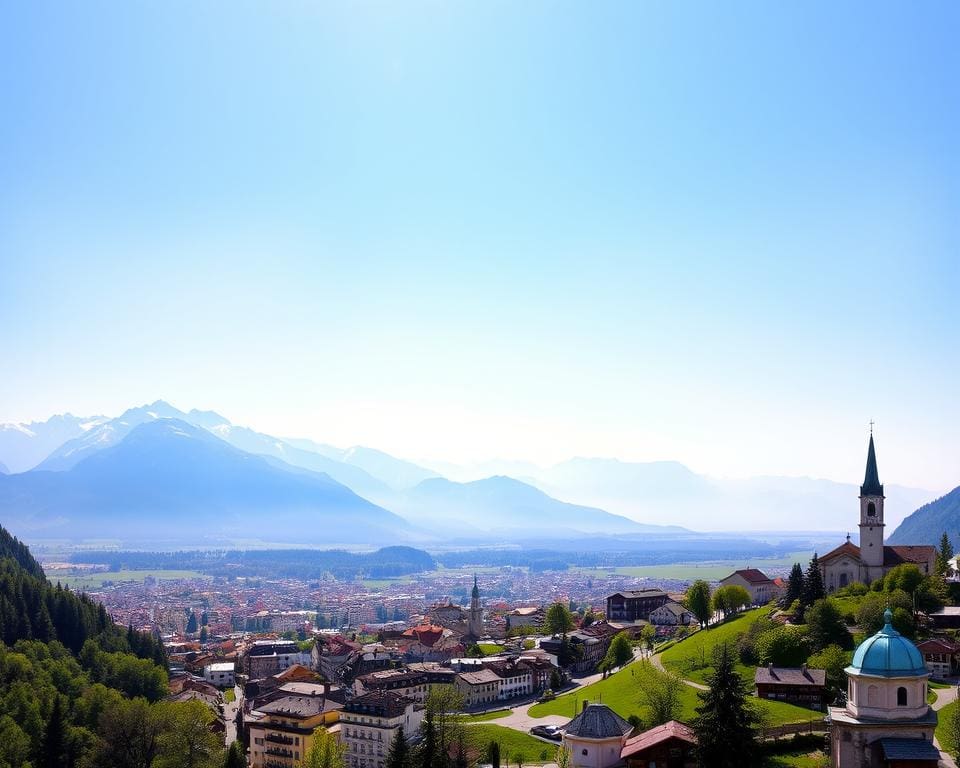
(192, 623)
(795, 586)
(428, 745)
(398, 756)
(493, 754)
(726, 723)
(54, 745)
(235, 756)
(944, 555)
(813, 583)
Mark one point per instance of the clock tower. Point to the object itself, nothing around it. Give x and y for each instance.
(871, 518)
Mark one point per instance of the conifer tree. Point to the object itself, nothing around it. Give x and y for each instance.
(398, 756)
(813, 583)
(493, 754)
(54, 745)
(726, 723)
(235, 757)
(428, 744)
(795, 586)
(944, 555)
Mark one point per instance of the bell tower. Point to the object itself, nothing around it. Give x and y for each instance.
(475, 619)
(871, 516)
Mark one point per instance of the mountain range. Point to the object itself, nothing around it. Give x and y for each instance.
(73, 476)
(928, 524)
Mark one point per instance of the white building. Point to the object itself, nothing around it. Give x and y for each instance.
(368, 724)
(220, 674)
(671, 614)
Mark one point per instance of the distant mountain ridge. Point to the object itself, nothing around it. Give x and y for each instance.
(167, 477)
(504, 505)
(927, 524)
(23, 446)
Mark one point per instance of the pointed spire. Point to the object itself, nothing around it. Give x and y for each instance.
(871, 479)
(476, 588)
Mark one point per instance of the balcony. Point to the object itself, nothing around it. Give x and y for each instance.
(279, 752)
(278, 738)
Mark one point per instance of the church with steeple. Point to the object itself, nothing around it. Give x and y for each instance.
(871, 559)
(475, 619)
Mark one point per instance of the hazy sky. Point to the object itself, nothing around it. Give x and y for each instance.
(723, 233)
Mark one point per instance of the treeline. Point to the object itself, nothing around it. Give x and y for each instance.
(78, 691)
(282, 563)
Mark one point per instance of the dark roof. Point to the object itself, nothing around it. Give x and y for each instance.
(672, 730)
(871, 478)
(908, 554)
(752, 575)
(379, 704)
(790, 676)
(909, 749)
(635, 593)
(297, 706)
(476, 589)
(598, 721)
(937, 645)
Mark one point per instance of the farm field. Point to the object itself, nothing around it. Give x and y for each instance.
(709, 570)
(97, 580)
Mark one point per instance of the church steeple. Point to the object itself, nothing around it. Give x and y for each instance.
(476, 588)
(871, 479)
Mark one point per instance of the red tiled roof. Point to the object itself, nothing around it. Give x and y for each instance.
(937, 645)
(426, 634)
(847, 548)
(672, 730)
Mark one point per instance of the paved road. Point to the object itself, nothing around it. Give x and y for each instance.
(230, 716)
(658, 663)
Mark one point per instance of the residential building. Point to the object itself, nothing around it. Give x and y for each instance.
(478, 688)
(405, 682)
(634, 604)
(940, 656)
(281, 730)
(759, 586)
(871, 560)
(369, 722)
(887, 720)
(267, 657)
(596, 737)
(800, 686)
(671, 745)
(220, 674)
(515, 678)
(671, 614)
(525, 617)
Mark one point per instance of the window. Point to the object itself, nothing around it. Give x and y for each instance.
(873, 696)
(901, 696)
(871, 510)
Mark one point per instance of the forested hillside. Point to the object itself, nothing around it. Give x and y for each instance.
(77, 691)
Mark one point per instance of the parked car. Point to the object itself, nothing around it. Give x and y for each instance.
(552, 732)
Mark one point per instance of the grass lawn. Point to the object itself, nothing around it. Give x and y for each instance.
(97, 580)
(512, 742)
(494, 715)
(490, 649)
(621, 691)
(229, 695)
(943, 737)
(796, 760)
(692, 658)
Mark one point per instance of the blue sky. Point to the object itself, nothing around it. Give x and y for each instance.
(720, 233)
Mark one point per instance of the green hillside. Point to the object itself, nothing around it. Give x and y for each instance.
(927, 524)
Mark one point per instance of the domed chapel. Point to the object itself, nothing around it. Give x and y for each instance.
(887, 722)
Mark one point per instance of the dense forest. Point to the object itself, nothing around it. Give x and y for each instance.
(283, 563)
(78, 691)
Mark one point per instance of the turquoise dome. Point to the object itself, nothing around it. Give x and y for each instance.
(887, 654)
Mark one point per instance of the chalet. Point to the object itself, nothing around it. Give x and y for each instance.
(802, 687)
(939, 656)
(672, 614)
(761, 588)
(634, 604)
(671, 745)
